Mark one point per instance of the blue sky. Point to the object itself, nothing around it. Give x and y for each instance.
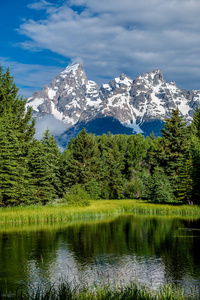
(110, 37)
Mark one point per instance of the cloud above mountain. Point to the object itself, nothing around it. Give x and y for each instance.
(121, 36)
(29, 75)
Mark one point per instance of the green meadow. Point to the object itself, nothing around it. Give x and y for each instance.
(95, 210)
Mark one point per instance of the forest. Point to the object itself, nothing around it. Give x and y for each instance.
(163, 169)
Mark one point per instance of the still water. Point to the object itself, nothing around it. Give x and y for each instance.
(153, 250)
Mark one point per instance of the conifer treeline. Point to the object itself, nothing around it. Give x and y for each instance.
(109, 167)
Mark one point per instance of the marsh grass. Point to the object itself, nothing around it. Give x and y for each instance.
(96, 210)
(134, 290)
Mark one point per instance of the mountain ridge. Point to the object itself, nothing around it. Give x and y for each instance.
(73, 99)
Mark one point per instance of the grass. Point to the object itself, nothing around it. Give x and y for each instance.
(96, 210)
(135, 291)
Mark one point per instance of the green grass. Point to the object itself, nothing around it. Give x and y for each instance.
(103, 292)
(96, 210)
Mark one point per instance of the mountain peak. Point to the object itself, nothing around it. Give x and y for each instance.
(72, 68)
(158, 74)
(72, 98)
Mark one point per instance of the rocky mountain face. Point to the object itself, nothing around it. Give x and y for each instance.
(123, 104)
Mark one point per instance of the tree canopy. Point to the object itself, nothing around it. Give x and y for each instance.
(162, 169)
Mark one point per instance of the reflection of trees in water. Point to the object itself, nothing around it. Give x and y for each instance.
(181, 252)
(126, 235)
(140, 236)
(18, 249)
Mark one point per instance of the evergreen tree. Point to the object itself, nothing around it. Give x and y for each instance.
(135, 154)
(153, 153)
(195, 126)
(93, 188)
(185, 185)
(173, 146)
(13, 105)
(41, 173)
(53, 157)
(159, 187)
(112, 178)
(17, 132)
(14, 173)
(81, 161)
(195, 154)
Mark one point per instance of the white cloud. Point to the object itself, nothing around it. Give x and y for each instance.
(55, 126)
(121, 36)
(42, 4)
(29, 78)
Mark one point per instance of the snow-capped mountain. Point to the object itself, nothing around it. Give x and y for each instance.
(139, 104)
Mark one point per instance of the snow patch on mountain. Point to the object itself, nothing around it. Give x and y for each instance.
(34, 103)
(52, 93)
(71, 68)
(136, 128)
(72, 98)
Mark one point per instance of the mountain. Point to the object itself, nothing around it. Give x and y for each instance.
(121, 106)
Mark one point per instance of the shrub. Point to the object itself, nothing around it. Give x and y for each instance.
(159, 187)
(93, 188)
(77, 195)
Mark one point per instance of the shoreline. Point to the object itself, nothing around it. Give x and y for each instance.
(98, 209)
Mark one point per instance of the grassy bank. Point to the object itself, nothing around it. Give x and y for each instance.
(104, 292)
(96, 209)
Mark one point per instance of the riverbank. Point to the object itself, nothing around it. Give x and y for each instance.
(96, 210)
(104, 292)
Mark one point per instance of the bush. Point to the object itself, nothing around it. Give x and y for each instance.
(135, 188)
(93, 188)
(159, 187)
(77, 195)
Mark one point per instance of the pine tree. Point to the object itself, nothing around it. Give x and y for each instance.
(135, 154)
(195, 173)
(185, 185)
(14, 173)
(195, 126)
(13, 105)
(80, 161)
(17, 132)
(112, 177)
(41, 173)
(173, 146)
(159, 187)
(53, 157)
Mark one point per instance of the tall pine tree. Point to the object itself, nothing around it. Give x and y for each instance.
(42, 178)
(81, 161)
(173, 147)
(53, 160)
(17, 132)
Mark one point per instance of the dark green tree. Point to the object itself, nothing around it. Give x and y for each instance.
(135, 155)
(14, 173)
(195, 126)
(195, 154)
(81, 160)
(159, 187)
(53, 158)
(173, 147)
(112, 177)
(17, 131)
(13, 105)
(186, 184)
(41, 173)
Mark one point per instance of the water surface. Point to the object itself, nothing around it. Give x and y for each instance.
(153, 250)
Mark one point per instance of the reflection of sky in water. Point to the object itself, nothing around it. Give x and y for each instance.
(106, 268)
(151, 251)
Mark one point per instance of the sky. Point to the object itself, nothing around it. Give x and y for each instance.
(40, 38)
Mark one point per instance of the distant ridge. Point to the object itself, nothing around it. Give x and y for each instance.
(121, 106)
